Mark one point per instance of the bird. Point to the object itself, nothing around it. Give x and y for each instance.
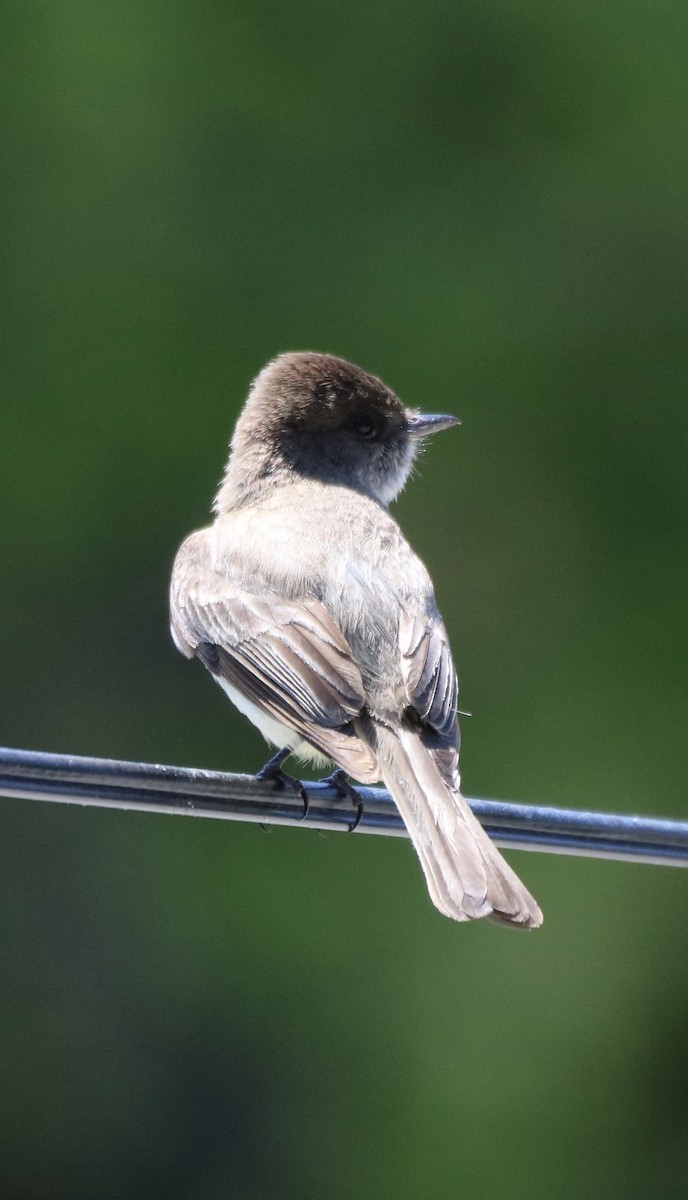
(310, 609)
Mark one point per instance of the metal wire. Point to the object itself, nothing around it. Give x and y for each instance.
(105, 783)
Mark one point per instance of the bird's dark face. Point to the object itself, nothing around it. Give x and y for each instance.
(327, 419)
(318, 417)
(344, 426)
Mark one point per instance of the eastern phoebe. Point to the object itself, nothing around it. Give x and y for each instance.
(311, 610)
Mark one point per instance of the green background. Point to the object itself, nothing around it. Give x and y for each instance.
(485, 204)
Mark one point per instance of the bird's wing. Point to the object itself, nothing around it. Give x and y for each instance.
(432, 687)
(428, 670)
(286, 656)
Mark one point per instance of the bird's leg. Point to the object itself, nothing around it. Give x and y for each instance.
(273, 770)
(339, 781)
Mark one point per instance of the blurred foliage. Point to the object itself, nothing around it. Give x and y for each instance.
(485, 204)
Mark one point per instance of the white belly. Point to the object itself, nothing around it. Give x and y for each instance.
(274, 732)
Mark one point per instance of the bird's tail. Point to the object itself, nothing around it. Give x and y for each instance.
(466, 875)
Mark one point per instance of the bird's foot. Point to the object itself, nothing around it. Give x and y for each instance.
(273, 770)
(339, 781)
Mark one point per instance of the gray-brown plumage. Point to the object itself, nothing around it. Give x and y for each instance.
(313, 613)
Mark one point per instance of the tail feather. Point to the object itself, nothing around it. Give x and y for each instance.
(465, 873)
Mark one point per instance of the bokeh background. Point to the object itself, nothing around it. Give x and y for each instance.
(484, 202)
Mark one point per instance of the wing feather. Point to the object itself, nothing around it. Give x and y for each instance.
(429, 672)
(288, 657)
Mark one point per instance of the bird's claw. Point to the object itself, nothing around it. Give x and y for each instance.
(273, 771)
(339, 781)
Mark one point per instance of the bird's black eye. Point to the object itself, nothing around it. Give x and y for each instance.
(365, 425)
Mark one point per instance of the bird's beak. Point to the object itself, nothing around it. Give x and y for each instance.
(419, 425)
